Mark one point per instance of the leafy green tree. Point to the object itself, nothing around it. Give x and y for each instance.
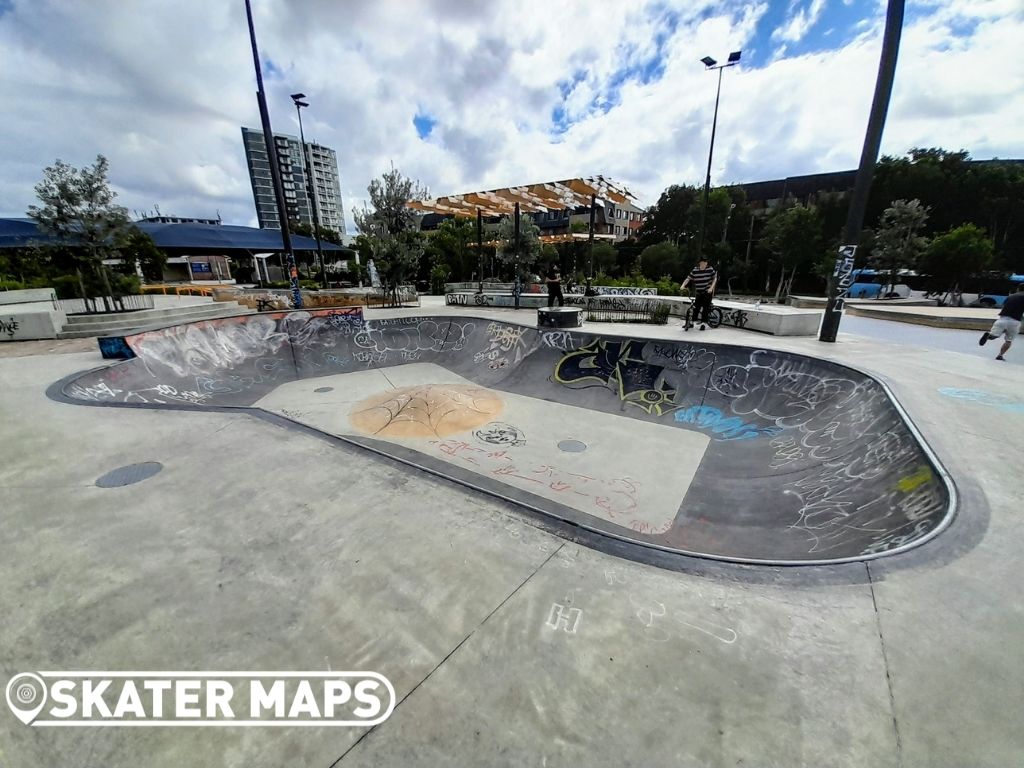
(606, 257)
(77, 207)
(955, 255)
(671, 218)
(898, 242)
(793, 236)
(440, 272)
(661, 259)
(389, 228)
(522, 254)
(454, 244)
(140, 249)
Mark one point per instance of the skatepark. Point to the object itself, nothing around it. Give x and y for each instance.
(730, 548)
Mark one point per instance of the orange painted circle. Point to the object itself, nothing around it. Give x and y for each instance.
(426, 410)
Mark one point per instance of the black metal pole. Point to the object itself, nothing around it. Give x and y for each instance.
(593, 213)
(275, 172)
(707, 178)
(866, 169)
(311, 194)
(480, 246)
(516, 286)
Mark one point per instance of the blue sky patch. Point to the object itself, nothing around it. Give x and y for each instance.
(836, 26)
(424, 124)
(270, 69)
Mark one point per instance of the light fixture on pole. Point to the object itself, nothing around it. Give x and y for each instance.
(297, 98)
(709, 63)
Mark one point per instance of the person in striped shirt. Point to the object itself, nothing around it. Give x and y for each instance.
(704, 279)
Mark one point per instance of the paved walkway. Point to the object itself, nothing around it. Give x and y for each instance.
(260, 548)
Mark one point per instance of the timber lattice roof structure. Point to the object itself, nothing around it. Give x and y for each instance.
(532, 198)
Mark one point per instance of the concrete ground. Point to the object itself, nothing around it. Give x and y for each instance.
(264, 548)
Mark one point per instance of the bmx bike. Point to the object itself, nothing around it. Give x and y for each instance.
(715, 315)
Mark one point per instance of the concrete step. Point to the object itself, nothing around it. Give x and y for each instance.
(130, 322)
(147, 316)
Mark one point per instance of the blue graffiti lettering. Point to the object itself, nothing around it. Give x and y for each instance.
(725, 427)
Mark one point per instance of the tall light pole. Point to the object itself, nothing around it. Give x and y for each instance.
(842, 275)
(299, 104)
(710, 63)
(275, 172)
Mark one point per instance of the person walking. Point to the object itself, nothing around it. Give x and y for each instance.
(1007, 324)
(554, 279)
(704, 279)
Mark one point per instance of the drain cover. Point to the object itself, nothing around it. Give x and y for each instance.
(572, 446)
(133, 473)
(323, 389)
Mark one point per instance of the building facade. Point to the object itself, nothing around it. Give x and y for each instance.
(325, 185)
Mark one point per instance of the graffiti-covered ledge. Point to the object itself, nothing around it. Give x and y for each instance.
(734, 453)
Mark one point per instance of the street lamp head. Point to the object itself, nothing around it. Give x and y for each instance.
(296, 96)
(707, 61)
(734, 56)
(300, 103)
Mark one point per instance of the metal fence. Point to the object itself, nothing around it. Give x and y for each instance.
(104, 304)
(627, 309)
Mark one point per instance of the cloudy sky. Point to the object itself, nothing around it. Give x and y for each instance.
(476, 94)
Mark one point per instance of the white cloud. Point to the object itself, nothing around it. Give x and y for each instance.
(163, 89)
(799, 23)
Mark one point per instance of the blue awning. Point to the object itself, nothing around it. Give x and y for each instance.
(220, 238)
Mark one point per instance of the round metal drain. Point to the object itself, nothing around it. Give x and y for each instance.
(320, 390)
(572, 446)
(133, 473)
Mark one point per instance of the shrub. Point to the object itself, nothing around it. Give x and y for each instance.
(660, 313)
(124, 285)
(66, 286)
(11, 285)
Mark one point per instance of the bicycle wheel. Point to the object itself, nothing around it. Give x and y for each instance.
(688, 318)
(715, 317)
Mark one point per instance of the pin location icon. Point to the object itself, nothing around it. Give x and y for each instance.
(26, 696)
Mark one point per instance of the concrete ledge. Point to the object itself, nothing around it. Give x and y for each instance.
(127, 322)
(27, 296)
(22, 326)
(957, 318)
(820, 302)
(776, 319)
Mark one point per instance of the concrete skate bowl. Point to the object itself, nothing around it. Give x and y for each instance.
(726, 452)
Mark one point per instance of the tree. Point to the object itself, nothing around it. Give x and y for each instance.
(660, 260)
(140, 249)
(389, 227)
(606, 258)
(793, 236)
(77, 206)
(389, 212)
(453, 244)
(955, 255)
(898, 244)
(524, 253)
(671, 218)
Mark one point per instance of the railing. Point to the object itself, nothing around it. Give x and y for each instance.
(104, 304)
(178, 290)
(277, 299)
(627, 309)
(406, 296)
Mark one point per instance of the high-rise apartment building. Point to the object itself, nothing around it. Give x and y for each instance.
(323, 166)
